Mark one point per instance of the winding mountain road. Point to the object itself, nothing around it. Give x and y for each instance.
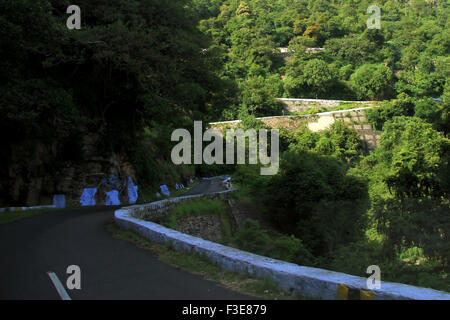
(110, 268)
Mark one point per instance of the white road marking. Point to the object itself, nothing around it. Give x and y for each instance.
(59, 286)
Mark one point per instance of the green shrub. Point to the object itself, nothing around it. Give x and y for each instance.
(409, 267)
(388, 110)
(355, 257)
(304, 195)
(289, 248)
(249, 177)
(428, 110)
(371, 81)
(252, 238)
(424, 223)
(305, 139)
(339, 141)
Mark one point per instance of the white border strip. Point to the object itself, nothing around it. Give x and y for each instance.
(59, 286)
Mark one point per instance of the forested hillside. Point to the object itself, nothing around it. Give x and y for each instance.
(408, 55)
(76, 103)
(331, 205)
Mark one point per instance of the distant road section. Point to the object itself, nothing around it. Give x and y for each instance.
(207, 186)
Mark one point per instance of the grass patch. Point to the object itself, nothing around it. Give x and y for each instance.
(194, 207)
(342, 106)
(309, 111)
(348, 106)
(258, 288)
(226, 226)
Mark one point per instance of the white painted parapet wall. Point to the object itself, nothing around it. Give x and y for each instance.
(306, 281)
(302, 105)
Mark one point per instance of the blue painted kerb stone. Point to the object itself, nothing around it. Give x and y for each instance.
(59, 201)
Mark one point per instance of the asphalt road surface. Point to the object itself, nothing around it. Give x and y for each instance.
(110, 268)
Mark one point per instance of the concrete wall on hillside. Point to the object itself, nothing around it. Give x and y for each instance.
(354, 118)
(358, 121)
(302, 105)
(285, 52)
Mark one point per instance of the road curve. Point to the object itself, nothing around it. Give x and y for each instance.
(110, 268)
(206, 186)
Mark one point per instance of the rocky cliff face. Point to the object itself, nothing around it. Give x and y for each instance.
(34, 170)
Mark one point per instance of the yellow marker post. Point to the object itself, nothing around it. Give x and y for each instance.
(342, 292)
(366, 295)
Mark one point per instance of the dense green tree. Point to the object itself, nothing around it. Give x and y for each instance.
(341, 142)
(372, 81)
(302, 199)
(351, 49)
(417, 156)
(424, 223)
(403, 106)
(318, 75)
(412, 161)
(315, 76)
(258, 95)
